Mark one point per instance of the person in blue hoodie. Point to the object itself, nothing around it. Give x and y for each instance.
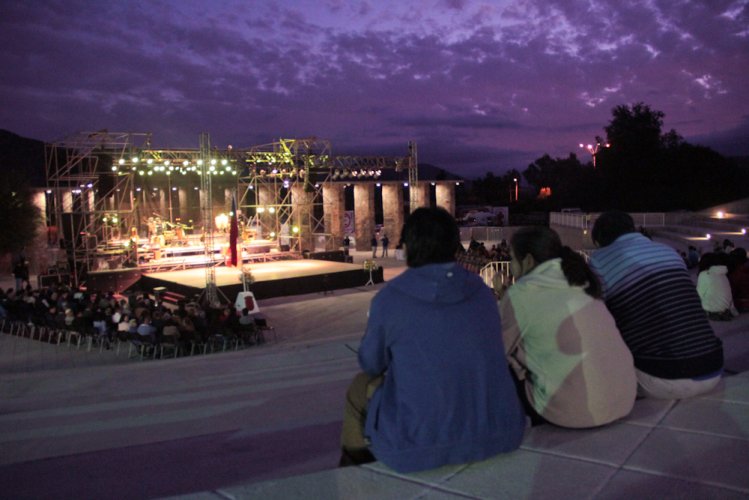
(435, 387)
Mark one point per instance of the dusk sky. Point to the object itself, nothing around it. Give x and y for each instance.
(480, 85)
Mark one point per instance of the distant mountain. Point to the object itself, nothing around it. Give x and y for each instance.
(23, 157)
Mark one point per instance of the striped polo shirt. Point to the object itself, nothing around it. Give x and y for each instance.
(656, 307)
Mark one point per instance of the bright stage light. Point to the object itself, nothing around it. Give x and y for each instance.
(200, 162)
(720, 214)
(272, 234)
(743, 230)
(272, 210)
(213, 161)
(708, 236)
(122, 161)
(167, 162)
(114, 168)
(260, 210)
(224, 162)
(295, 230)
(135, 159)
(149, 161)
(222, 222)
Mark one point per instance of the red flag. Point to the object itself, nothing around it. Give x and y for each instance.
(233, 232)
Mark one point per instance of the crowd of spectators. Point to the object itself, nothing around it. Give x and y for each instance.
(107, 316)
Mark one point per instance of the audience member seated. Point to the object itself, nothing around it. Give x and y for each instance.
(693, 257)
(570, 362)
(145, 329)
(656, 307)
(714, 288)
(435, 387)
(738, 277)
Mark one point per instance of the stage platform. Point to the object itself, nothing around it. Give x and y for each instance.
(271, 279)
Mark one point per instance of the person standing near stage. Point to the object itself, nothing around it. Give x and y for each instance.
(21, 273)
(435, 388)
(385, 242)
(373, 241)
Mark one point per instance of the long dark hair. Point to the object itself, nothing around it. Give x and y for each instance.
(544, 244)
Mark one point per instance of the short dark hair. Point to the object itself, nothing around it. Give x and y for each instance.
(431, 236)
(610, 225)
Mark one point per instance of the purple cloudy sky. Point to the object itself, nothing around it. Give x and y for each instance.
(480, 85)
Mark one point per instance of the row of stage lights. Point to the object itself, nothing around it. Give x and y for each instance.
(168, 167)
(356, 174)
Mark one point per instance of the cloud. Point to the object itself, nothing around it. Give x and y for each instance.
(478, 84)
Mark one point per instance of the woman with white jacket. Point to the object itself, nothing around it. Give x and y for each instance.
(572, 367)
(714, 288)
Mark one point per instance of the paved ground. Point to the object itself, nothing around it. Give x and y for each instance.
(264, 423)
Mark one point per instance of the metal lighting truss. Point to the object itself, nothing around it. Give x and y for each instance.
(87, 194)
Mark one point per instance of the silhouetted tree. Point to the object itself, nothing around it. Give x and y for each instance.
(18, 215)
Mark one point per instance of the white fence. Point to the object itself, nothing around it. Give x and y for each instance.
(586, 221)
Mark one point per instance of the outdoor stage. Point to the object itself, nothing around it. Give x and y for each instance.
(271, 279)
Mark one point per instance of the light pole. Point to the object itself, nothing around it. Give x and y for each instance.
(515, 180)
(593, 150)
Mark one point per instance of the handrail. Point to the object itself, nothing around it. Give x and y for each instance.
(496, 272)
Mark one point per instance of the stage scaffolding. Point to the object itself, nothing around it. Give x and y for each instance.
(97, 204)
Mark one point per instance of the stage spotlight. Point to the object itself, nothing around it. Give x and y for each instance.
(114, 168)
(213, 161)
(137, 189)
(141, 172)
(272, 210)
(405, 184)
(224, 162)
(135, 159)
(260, 210)
(200, 162)
(295, 230)
(149, 161)
(272, 234)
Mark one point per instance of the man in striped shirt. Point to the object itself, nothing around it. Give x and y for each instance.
(656, 307)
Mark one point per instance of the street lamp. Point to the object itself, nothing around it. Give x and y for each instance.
(515, 180)
(593, 150)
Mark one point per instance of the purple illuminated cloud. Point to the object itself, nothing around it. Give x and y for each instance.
(479, 85)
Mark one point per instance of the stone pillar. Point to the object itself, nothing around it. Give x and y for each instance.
(446, 196)
(364, 214)
(334, 205)
(392, 212)
(301, 216)
(419, 195)
(164, 203)
(265, 198)
(67, 201)
(182, 204)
